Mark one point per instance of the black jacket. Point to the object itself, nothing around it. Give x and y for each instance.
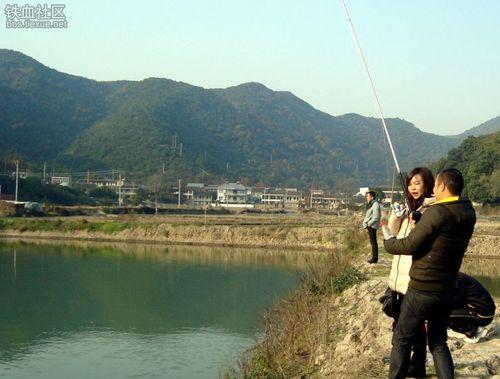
(437, 244)
(471, 295)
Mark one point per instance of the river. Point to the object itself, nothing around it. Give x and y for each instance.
(130, 311)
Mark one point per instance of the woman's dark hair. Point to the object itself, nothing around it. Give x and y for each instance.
(428, 179)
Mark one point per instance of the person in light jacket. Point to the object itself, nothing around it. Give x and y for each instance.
(420, 183)
(371, 223)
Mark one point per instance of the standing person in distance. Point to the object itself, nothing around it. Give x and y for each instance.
(437, 245)
(420, 183)
(371, 223)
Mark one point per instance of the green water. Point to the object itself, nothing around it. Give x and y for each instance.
(95, 310)
(81, 311)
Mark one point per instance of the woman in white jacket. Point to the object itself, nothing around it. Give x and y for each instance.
(420, 183)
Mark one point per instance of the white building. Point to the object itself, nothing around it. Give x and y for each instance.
(387, 191)
(232, 193)
(61, 180)
(284, 197)
(198, 194)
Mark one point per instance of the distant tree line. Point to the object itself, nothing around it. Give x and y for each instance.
(478, 158)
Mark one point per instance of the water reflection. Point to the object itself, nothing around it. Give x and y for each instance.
(289, 259)
(68, 304)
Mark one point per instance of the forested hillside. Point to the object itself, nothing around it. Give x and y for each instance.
(167, 129)
(478, 158)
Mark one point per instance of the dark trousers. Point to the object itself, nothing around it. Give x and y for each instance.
(372, 233)
(418, 306)
(466, 321)
(419, 348)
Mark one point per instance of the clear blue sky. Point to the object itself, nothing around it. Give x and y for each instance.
(435, 63)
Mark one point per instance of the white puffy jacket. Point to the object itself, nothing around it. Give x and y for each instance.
(401, 264)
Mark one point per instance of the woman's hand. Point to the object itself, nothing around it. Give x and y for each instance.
(398, 209)
(412, 222)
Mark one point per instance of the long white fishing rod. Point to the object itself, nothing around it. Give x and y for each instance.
(382, 118)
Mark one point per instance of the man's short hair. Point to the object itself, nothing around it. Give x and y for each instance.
(371, 193)
(452, 179)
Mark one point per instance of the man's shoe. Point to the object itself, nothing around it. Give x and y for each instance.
(451, 333)
(371, 261)
(480, 333)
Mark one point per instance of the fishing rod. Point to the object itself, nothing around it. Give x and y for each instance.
(382, 118)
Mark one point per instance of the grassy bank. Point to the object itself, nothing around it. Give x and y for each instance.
(333, 326)
(64, 225)
(296, 232)
(288, 231)
(301, 326)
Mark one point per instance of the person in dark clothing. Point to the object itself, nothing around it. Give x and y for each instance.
(437, 245)
(474, 308)
(371, 223)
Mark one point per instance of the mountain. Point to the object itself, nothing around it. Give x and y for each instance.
(43, 110)
(488, 127)
(478, 158)
(160, 127)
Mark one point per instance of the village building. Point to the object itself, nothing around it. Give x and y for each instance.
(198, 194)
(61, 180)
(388, 192)
(233, 195)
(282, 197)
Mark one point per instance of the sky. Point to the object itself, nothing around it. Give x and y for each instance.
(434, 62)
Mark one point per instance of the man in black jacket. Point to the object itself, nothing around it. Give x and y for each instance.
(437, 245)
(474, 308)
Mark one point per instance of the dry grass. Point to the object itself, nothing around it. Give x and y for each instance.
(294, 232)
(302, 325)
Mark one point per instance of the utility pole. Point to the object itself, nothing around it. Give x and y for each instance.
(44, 170)
(180, 150)
(88, 177)
(179, 194)
(156, 201)
(164, 167)
(17, 178)
(120, 190)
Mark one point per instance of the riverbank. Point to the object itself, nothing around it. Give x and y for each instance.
(311, 232)
(333, 326)
(362, 348)
(345, 334)
(289, 231)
